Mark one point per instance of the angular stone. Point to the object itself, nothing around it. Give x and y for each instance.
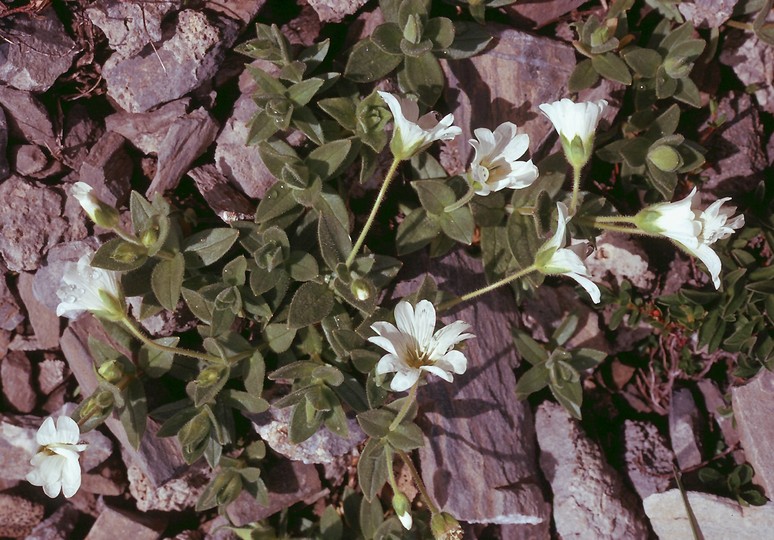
(159, 458)
(51, 374)
(113, 523)
(479, 459)
(323, 447)
(707, 13)
(288, 483)
(753, 62)
(5, 168)
(222, 197)
(81, 132)
(16, 376)
(10, 313)
(186, 140)
(130, 26)
(685, 428)
(753, 406)
(241, 10)
(43, 319)
(30, 222)
(242, 164)
(335, 10)
(183, 62)
(57, 526)
(36, 51)
(716, 406)
(541, 12)
(623, 258)
(649, 461)
(18, 516)
(175, 495)
(108, 169)
(146, 131)
(590, 500)
(27, 159)
(27, 118)
(718, 518)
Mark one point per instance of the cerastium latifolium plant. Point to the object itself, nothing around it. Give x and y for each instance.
(298, 291)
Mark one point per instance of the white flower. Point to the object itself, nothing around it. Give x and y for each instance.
(55, 466)
(85, 288)
(99, 212)
(412, 347)
(495, 164)
(576, 124)
(413, 134)
(554, 258)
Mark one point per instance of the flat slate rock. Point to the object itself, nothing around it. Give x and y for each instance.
(5, 169)
(27, 118)
(479, 461)
(753, 406)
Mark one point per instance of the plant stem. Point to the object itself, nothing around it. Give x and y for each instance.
(464, 200)
(740, 25)
(377, 203)
(418, 481)
(576, 175)
(175, 350)
(484, 290)
(614, 219)
(594, 222)
(412, 396)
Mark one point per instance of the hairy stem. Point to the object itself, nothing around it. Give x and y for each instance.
(418, 481)
(484, 290)
(412, 396)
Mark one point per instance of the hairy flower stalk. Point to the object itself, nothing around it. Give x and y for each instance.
(413, 347)
(55, 466)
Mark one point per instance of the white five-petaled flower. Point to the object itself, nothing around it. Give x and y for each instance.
(85, 288)
(413, 346)
(99, 212)
(553, 258)
(692, 229)
(576, 124)
(413, 134)
(55, 466)
(496, 162)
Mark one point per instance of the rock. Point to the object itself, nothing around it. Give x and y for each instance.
(242, 164)
(27, 159)
(479, 459)
(541, 12)
(753, 406)
(221, 196)
(146, 131)
(36, 51)
(51, 374)
(288, 483)
(241, 10)
(590, 500)
(81, 133)
(175, 495)
(335, 10)
(18, 516)
(186, 140)
(130, 26)
(113, 523)
(160, 459)
(30, 222)
(164, 323)
(99, 484)
(648, 459)
(27, 118)
(108, 169)
(707, 14)
(16, 376)
(5, 168)
(735, 151)
(10, 313)
(57, 526)
(43, 319)
(550, 306)
(717, 407)
(685, 428)
(753, 62)
(323, 447)
(718, 518)
(623, 258)
(183, 62)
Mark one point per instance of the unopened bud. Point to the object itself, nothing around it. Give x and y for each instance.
(208, 376)
(228, 487)
(445, 527)
(100, 213)
(103, 400)
(402, 507)
(111, 371)
(150, 237)
(360, 289)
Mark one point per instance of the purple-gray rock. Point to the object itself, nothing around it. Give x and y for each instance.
(649, 461)
(43, 319)
(10, 312)
(16, 377)
(707, 13)
(147, 130)
(5, 169)
(183, 62)
(18, 515)
(108, 169)
(27, 159)
(685, 428)
(222, 197)
(754, 414)
(30, 223)
(57, 526)
(753, 62)
(335, 10)
(35, 51)
(113, 523)
(541, 12)
(27, 118)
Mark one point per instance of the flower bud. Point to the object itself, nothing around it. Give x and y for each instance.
(402, 507)
(150, 237)
(360, 289)
(111, 371)
(445, 527)
(209, 376)
(100, 213)
(103, 400)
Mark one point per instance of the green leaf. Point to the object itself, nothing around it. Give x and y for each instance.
(142, 212)
(119, 255)
(334, 240)
(368, 62)
(279, 337)
(372, 468)
(311, 303)
(167, 280)
(134, 413)
(302, 425)
(570, 396)
(387, 37)
(331, 525)
(254, 374)
(440, 31)
(341, 109)
(422, 76)
(154, 362)
(209, 382)
(610, 66)
(583, 76)
(206, 247)
(645, 62)
(302, 93)
(376, 422)
(198, 304)
(278, 202)
(528, 348)
(434, 195)
(331, 159)
(416, 231)
(302, 266)
(407, 437)
(371, 517)
(535, 379)
(470, 39)
(458, 225)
